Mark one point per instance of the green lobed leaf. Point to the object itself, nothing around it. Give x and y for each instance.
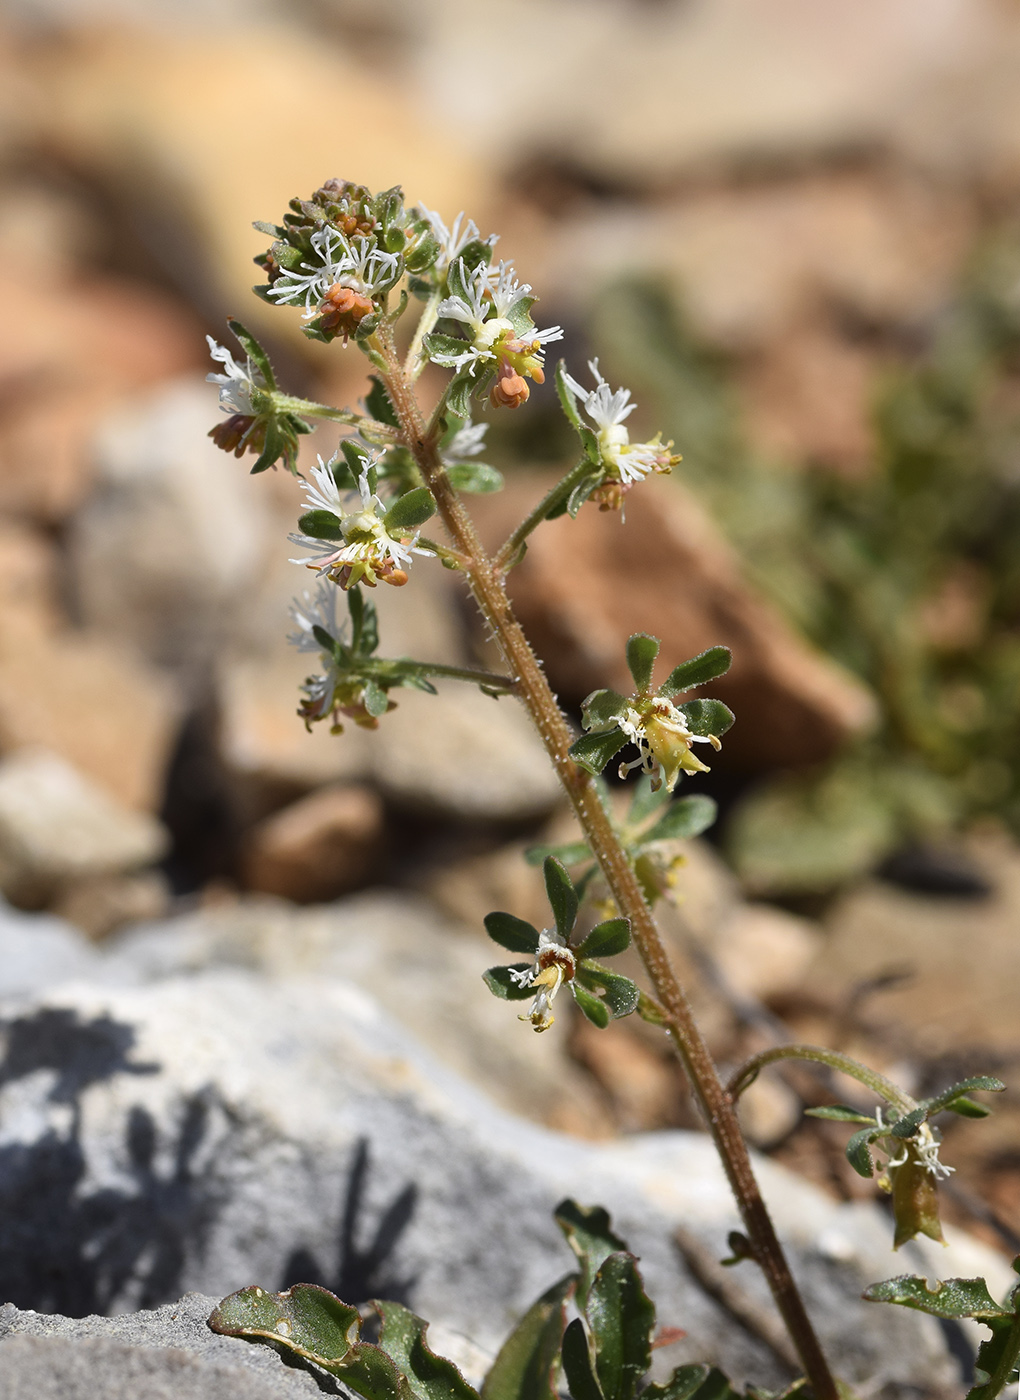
(602, 707)
(620, 994)
(589, 1233)
(953, 1297)
(254, 351)
(995, 1365)
(858, 1151)
(527, 1364)
(512, 933)
(642, 650)
(312, 1323)
(411, 509)
(594, 751)
(840, 1113)
(692, 1382)
(579, 1363)
(502, 985)
(562, 896)
(705, 717)
(430, 1377)
(321, 525)
(572, 853)
(621, 1319)
(685, 818)
(698, 671)
(606, 939)
(477, 478)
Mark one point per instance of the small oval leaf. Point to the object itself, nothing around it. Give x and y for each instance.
(606, 939)
(642, 650)
(411, 509)
(562, 896)
(321, 525)
(512, 933)
(707, 666)
(507, 988)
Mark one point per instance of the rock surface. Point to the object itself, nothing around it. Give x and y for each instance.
(318, 847)
(58, 829)
(213, 1131)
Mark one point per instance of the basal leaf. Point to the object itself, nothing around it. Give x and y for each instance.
(621, 1318)
(954, 1297)
(590, 1235)
(430, 1377)
(692, 1382)
(527, 1364)
(579, 1363)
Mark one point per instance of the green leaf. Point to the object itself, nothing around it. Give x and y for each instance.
(562, 896)
(621, 995)
(376, 701)
(566, 396)
(502, 985)
(312, 1323)
(705, 717)
(840, 1113)
(430, 1377)
(593, 751)
(527, 1364)
(645, 801)
(986, 1083)
(606, 939)
(908, 1123)
(573, 853)
(458, 394)
(858, 1151)
(377, 401)
(445, 349)
(621, 1318)
(593, 1007)
(590, 1235)
(477, 478)
(579, 495)
(602, 707)
(519, 316)
(685, 818)
(641, 653)
(692, 1382)
(321, 525)
(698, 671)
(411, 509)
(579, 1363)
(995, 1365)
(457, 277)
(254, 351)
(968, 1108)
(512, 933)
(954, 1297)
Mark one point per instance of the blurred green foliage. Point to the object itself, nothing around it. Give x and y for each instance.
(908, 573)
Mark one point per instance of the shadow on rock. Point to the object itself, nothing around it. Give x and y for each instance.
(361, 1273)
(67, 1248)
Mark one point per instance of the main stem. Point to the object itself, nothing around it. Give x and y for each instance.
(487, 585)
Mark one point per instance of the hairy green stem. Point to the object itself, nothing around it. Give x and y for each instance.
(415, 361)
(559, 494)
(490, 679)
(871, 1079)
(486, 582)
(308, 408)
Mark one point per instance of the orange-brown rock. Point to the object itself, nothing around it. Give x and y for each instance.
(68, 353)
(317, 848)
(586, 585)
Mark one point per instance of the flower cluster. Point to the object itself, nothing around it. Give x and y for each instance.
(498, 340)
(365, 544)
(339, 689)
(664, 733)
(599, 993)
(620, 462)
(338, 281)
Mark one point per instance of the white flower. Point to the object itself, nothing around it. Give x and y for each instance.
(554, 965)
(492, 290)
(663, 741)
(313, 610)
(630, 461)
(357, 264)
(453, 241)
(237, 383)
(368, 552)
(466, 442)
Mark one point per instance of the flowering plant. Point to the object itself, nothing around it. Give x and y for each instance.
(353, 263)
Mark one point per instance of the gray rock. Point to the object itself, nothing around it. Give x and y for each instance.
(57, 828)
(38, 951)
(166, 1354)
(171, 542)
(215, 1131)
